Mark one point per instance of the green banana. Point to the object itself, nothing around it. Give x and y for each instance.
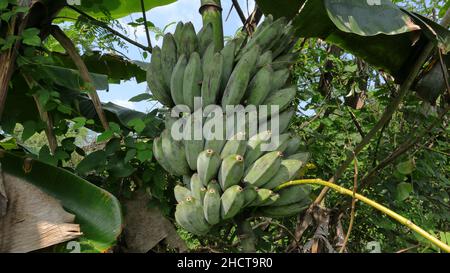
(281, 98)
(187, 181)
(232, 201)
(293, 195)
(289, 170)
(208, 55)
(189, 214)
(228, 53)
(231, 171)
(168, 57)
(284, 211)
(205, 38)
(280, 78)
(286, 42)
(250, 194)
(284, 119)
(266, 36)
(263, 26)
(214, 184)
(265, 59)
(239, 79)
(189, 40)
(181, 193)
(155, 79)
(268, 21)
(304, 157)
(178, 36)
(197, 187)
(159, 155)
(193, 147)
(169, 121)
(284, 61)
(282, 143)
(203, 191)
(262, 196)
(212, 77)
(193, 76)
(271, 200)
(176, 82)
(237, 145)
(208, 164)
(212, 142)
(292, 146)
(254, 147)
(172, 149)
(260, 86)
(263, 169)
(279, 178)
(211, 206)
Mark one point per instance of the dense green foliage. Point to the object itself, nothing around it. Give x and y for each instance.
(341, 93)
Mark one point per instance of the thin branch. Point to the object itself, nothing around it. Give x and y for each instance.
(45, 117)
(229, 13)
(113, 31)
(310, 121)
(387, 115)
(355, 121)
(285, 229)
(239, 11)
(352, 213)
(407, 249)
(68, 45)
(147, 32)
(435, 151)
(400, 151)
(377, 147)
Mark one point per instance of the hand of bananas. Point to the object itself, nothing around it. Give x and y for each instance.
(225, 176)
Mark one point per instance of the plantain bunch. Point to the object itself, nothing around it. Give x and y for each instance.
(233, 174)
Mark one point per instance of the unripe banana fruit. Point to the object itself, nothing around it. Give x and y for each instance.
(237, 171)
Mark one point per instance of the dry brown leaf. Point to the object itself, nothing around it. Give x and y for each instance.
(33, 219)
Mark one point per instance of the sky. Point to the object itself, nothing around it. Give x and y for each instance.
(182, 10)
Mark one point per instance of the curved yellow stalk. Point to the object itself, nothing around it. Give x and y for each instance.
(402, 220)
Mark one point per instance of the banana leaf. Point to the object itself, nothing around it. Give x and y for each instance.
(116, 67)
(112, 8)
(97, 211)
(377, 31)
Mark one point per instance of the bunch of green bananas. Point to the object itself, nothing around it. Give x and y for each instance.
(225, 177)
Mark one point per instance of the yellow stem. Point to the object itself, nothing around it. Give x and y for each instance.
(402, 220)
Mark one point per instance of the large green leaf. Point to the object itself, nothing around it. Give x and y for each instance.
(116, 67)
(377, 31)
(281, 8)
(70, 78)
(360, 17)
(96, 210)
(116, 8)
